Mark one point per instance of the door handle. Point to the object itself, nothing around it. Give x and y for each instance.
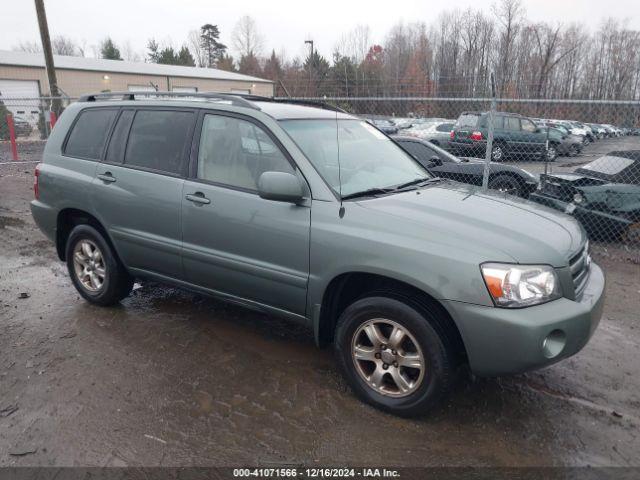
(197, 197)
(106, 177)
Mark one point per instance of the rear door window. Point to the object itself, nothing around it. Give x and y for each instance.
(89, 134)
(512, 123)
(118, 142)
(158, 140)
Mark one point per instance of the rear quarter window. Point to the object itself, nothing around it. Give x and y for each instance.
(89, 133)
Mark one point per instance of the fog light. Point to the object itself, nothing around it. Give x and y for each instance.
(553, 345)
(577, 198)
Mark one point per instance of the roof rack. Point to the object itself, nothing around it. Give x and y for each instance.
(297, 101)
(237, 100)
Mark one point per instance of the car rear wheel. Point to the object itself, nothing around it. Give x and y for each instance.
(392, 356)
(497, 153)
(506, 184)
(95, 270)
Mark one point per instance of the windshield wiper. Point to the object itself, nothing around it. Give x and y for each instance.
(371, 192)
(418, 182)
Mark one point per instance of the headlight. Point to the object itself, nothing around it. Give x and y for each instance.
(514, 286)
(578, 198)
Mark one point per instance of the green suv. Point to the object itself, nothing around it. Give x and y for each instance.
(514, 136)
(312, 214)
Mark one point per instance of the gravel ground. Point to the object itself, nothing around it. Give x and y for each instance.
(173, 378)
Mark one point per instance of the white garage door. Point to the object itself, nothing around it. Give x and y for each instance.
(13, 90)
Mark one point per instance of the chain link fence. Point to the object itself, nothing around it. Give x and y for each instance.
(578, 157)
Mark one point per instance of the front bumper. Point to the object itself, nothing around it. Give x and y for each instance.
(597, 224)
(503, 341)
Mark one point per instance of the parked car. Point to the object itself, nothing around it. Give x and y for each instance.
(603, 195)
(439, 162)
(22, 127)
(564, 141)
(438, 133)
(514, 136)
(316, 216)
(599, 130)
(386, 126)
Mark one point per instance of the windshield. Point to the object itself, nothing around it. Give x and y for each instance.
(368, 158)
(467, 120)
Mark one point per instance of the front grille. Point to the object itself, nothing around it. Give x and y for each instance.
(579, 265)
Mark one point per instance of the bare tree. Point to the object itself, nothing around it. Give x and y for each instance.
(246, 38)
(62, 45)
(26, 46)
(509, 14)
(195, 47)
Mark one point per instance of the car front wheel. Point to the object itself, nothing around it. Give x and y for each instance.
(552, 152)
(392, 356)
(95, 270)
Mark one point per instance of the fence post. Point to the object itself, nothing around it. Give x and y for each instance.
(12, 137)
(487, 156)
(52, 119)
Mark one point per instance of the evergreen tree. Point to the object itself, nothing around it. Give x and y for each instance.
(184, 57)
(273, 67)
(109, 50)
(210, 43)
(249, 65)
(227, 63)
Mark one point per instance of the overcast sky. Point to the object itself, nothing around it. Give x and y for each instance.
(284, 24)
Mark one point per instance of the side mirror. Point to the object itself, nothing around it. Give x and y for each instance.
(435, 160)
(280, 186)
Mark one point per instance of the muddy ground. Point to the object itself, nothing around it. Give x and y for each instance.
(172, 378)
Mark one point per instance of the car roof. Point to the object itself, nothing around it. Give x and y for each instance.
(289, 111)
(279, 109)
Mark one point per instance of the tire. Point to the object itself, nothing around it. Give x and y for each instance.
(552, 152)
(497, 152)
(506, 184)
(424, 387)
(100, 278)
(576, 150)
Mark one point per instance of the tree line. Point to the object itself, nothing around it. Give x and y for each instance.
(452, 56)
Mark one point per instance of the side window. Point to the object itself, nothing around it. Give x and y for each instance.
(511, 123)
(444, 127)
(118, 142)
(89, 134)
(527, 125)
(236, 152)
(158, 140)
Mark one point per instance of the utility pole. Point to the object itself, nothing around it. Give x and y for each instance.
(48, 56)
(310, 42)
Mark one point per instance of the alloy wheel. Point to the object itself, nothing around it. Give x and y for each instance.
(388, 358)
(496, 153)
(89, 265)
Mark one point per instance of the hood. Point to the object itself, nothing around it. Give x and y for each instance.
(574, 179)
(497, 226)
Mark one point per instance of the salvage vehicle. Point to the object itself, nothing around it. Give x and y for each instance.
(314, 215)
(440, 163)
(514, 136)
(603, 195)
